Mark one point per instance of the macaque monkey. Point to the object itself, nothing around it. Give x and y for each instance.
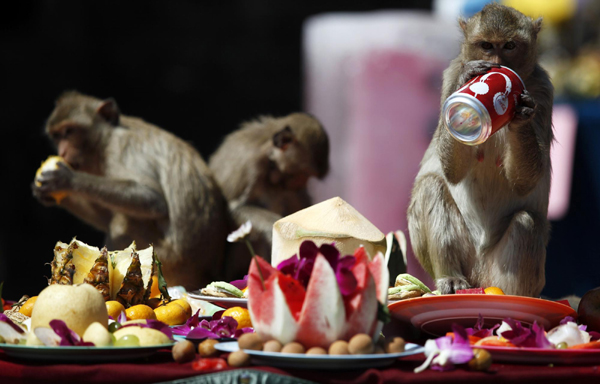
(137, 182)
(263, 169)
(477, 215)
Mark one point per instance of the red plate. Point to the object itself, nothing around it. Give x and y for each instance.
(434, 315)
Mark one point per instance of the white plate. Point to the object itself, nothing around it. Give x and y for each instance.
(225, 302)
(292, 360)
(435, 314)
(80, 354)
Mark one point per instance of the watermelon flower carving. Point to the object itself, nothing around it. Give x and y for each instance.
(318, 297)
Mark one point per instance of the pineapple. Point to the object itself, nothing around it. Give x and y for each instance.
(132, 289)
(98, 275)
(62, 266)
(124, 275)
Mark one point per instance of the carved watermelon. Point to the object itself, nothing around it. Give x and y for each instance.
(283, 310)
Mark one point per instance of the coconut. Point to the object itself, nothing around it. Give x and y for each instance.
(331, 221)
(77, 305)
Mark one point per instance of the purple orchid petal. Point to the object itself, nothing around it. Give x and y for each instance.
(594, 335)
(202, 333)
(567, 319)
(305, 267)
(8, 321)
(159, 326)
(288, 266)
(240, 284)
(331, 254)
(225, 327)
(444, 342)
(240, 332)
(346, 281)
(540, 341)
(122, 317)
(308, 250)
(67, 336)
(217, 315)
(533, 337)
(190, 324)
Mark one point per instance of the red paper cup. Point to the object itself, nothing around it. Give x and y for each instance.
(483, 105)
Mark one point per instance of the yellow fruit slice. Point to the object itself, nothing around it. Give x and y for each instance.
(50, 164)
(27, 308)
(493, 291)
(241, 315)
(120, 262)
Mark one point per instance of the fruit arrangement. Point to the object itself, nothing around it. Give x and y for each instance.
(317, 297)
(124, 275)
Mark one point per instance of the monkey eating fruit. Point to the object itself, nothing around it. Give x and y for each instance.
(137, 182)
(477, 216)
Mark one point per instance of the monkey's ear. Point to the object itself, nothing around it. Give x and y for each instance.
(283, 138)
(109, 111)
(537, 25)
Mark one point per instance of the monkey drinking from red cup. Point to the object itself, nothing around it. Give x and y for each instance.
(478, 213)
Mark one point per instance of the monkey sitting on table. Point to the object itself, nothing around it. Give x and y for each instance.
(477, 215)
(135, 181)
(263, 169)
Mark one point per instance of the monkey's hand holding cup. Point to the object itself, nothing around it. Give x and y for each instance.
(524, 112)
(473, 69)
(52, 181)
(484, 105)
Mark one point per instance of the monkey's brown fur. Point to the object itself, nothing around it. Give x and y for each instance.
(263, 169)
(483, 223)
(135, 181)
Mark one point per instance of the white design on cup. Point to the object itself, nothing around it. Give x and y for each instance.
(500, 103)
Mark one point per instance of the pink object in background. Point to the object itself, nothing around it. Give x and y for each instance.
(564, 120)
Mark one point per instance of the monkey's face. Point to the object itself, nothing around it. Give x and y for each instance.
(72, 142)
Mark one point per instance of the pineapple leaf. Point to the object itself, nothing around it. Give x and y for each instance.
(162, 283)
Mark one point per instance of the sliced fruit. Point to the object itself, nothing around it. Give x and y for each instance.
(114, 309)
(98, 275)
(27, 308)
(493, 291)
(50, 164)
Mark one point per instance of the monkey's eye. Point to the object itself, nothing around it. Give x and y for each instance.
(68, 131)
(55, 136)
(487, 46)
(510, 45)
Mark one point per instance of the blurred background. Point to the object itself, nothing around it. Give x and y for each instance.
(369, 70)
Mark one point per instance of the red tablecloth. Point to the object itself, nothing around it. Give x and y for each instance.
(161, 367)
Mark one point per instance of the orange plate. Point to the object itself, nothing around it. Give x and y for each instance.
(435, 314)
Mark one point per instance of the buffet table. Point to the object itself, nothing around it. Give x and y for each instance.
(162, 368)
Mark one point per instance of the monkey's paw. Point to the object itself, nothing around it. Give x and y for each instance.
(526, 109)
(475, 68)
(448, 285)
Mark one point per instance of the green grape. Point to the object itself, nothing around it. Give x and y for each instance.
(22, 341)
(114, 326)
(561, 345)
(128, 341)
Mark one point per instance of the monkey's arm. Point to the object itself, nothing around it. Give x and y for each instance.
(456, 158)
(262, 220)
(530, 136)
(95, 216)
(125, 196)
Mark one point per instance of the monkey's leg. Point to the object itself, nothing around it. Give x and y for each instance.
(516, 264)
(438, 234)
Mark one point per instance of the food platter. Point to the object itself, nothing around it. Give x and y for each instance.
(225, 302)
(329, 362)
(434, 315)
(81, 354)
(543, 356)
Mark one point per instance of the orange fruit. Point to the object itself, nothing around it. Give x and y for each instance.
(493, 291)
(140, 311)
(171, 314)
(241, 315)
(27, 308)
(184, 303)
(154, 291)
(114, 308)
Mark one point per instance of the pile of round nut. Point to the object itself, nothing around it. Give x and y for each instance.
(360, 344)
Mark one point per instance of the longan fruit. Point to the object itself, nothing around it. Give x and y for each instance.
(316, 351)
(207, 348)
(238, 358)
(183, 351)
(293, 347)
(250, 341)
(339, 347)
(361, 344)
(272, 346)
